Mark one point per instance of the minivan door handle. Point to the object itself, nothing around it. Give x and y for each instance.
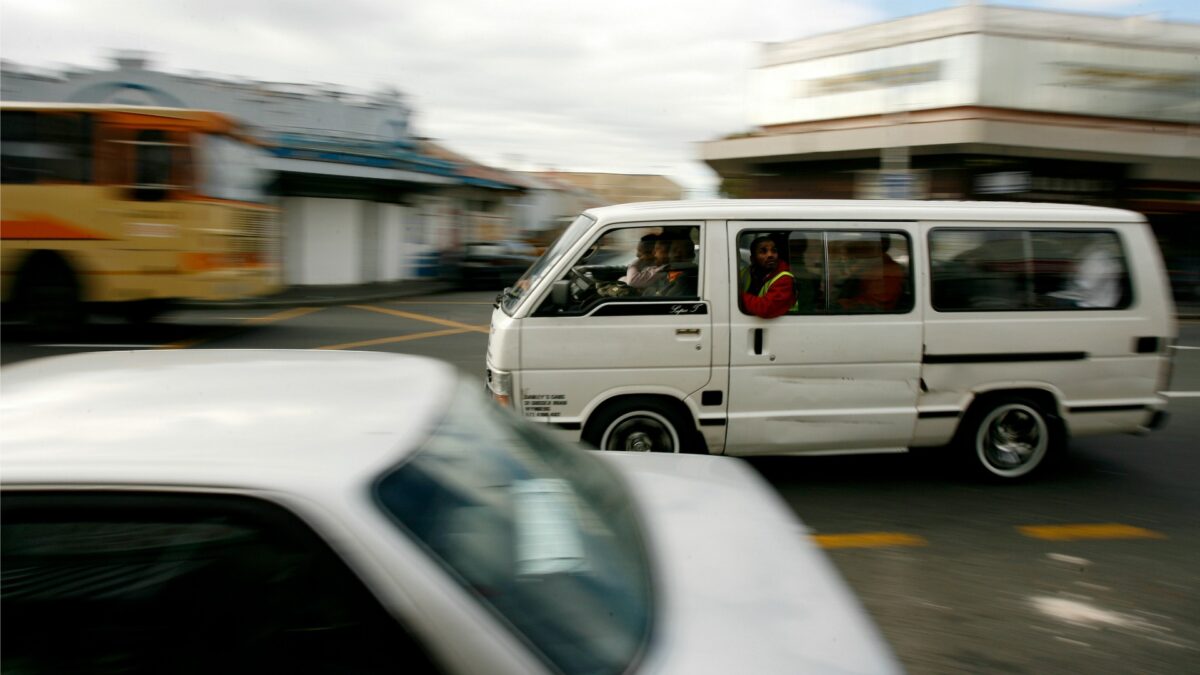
(687, 331)
(758, 340)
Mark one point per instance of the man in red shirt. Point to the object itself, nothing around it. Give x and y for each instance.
(767, 288)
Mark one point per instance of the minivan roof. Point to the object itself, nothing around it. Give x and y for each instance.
(829, 209)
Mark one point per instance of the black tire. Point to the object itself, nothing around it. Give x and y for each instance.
(640, 424)
(49, 297)
(1008, 438)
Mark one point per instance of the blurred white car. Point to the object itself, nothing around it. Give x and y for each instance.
(340, 512)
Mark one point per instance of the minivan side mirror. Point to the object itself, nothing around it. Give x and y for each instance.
(560, 292)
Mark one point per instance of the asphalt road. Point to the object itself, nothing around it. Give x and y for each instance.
(1092, 567)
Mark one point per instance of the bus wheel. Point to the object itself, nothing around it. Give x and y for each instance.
(1010, 437)
(637, 425)
(48, 296)
(142, 312)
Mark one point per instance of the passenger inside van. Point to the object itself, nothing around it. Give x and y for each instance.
(642, 270)
(679, 276)
(767, 289)
(1098, 279)
(806, 283)
(872, 281)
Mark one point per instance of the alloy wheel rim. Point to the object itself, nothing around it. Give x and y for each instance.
(641, 432)
(1012, 439)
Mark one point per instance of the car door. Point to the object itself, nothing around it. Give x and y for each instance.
(603, 338)
(841, 370)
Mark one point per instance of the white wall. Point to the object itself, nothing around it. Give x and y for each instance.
(932, 74)
(322, 241)
(393, 250)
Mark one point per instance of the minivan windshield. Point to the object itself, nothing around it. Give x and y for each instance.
(544, 534)
(513, 295)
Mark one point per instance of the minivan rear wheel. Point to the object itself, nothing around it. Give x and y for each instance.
(1011, 437)
(637, 425)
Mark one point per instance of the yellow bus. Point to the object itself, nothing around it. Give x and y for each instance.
(127, 208)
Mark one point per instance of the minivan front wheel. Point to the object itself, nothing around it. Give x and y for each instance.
(1012, 437)
(636, 425)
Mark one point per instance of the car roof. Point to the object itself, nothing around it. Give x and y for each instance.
(234, 418)
(879, 209)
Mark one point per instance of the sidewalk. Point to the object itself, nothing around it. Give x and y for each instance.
(318, 296)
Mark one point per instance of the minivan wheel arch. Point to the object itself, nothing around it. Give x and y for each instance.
(646, 422)
(1007, 435)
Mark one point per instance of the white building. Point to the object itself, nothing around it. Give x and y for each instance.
(982, 102)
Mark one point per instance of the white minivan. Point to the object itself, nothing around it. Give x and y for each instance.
(999, 328)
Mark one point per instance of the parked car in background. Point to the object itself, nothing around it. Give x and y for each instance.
(1184, 272)
(492, 264)
(338, 512)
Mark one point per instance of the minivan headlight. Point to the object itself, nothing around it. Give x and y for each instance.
(500, 385)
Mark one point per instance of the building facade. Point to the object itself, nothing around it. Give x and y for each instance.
(363, 199)
(620, 188)
(989, 103)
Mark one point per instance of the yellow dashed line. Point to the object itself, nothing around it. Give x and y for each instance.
(439, 302)
(424, 317)
(1088, 531)
(869, 540)
(399, 338)
(270, 318)
(284, 315)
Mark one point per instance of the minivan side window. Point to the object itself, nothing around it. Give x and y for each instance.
(1020, 270)
(836, 271)
(649, 263)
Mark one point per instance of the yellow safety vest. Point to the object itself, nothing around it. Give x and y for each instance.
(745, 274)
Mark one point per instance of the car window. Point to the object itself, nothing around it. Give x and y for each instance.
(646, 263)
(543, 534)
(1014, 269)
(166, 583)
(512, 296)
(830, 271)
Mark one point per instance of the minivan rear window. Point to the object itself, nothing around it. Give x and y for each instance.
(980, 270)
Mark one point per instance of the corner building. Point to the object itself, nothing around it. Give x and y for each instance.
(984, 103)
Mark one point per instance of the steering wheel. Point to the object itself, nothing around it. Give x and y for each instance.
(581, 284)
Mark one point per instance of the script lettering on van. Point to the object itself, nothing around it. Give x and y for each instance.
(686, 309)
(543, 405)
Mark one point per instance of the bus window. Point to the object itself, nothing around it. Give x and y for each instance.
(45, 148)
(152, 166)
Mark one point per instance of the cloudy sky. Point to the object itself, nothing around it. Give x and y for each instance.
(614, 85)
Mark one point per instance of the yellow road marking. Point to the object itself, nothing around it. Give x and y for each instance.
(451, 302)
(399, 338)
(270, 318)
(424, 317)
(1088, 531)
(869, 540)
(284, 315)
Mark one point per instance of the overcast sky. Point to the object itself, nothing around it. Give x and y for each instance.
(609, 85)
